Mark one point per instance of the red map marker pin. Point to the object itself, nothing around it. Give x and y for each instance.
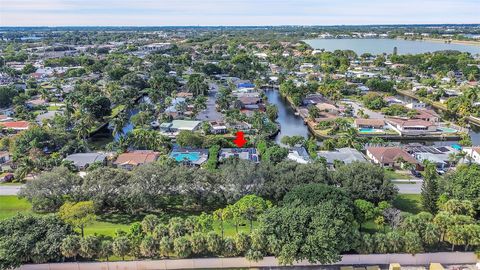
(240, 139)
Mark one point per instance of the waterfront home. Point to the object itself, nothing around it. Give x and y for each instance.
(240, 126)
(473, 154)
(441, 156)
(246, 101)
(15, 125)
(241, 153)
(5, 118)
(177, 107)
(244, 84)
(411, 126)
(345, 155)
(328, 108)
(392, 100)
(427, 115)
(82, 161)
(133, 159)
(390, 156)
(218, 127)
(416, 105)
(179, 125)
(369, 123)
(7, 111)
(299, 155)
(189, 156)
(313, 99)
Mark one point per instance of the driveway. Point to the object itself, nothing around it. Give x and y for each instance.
(210, 113)
(408, 186)
(9, 190)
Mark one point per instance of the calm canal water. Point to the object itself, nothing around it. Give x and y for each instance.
(379, 46)
(290, 124)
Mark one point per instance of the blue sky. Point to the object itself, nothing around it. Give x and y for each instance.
(238, 12)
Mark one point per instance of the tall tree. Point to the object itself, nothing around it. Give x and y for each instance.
(430, 189)
(78, 214)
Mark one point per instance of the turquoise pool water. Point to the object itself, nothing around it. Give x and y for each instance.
(193, 156)
(366, 130)
(448, 130)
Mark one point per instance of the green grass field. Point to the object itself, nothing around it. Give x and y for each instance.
(392, 175)
(410, 203)
(11, 205)
(104, 225)
(109, 224)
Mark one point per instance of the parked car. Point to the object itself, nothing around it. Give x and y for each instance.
(416, 173)
(7, 178)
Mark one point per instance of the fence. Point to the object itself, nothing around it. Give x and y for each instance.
(217, 263)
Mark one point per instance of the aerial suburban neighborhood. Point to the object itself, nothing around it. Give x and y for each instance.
(307, 145)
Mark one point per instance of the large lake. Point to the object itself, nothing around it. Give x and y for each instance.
(379, 46)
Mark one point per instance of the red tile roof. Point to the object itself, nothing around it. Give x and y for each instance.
(17, 125)
(390, 154)
(411, 122)
(136, 158)
(370, 122)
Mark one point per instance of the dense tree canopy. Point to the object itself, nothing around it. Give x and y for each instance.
(31, 239)
(366, 181)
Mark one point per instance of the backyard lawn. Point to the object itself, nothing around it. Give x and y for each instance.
(410, 203)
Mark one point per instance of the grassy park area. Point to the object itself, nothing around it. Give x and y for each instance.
(104, 225)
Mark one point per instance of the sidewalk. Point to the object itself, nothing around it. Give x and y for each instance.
(240, 262)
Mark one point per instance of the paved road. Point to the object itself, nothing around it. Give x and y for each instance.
(356, 106)
(9, 190)
(211, 113)
(408, 187)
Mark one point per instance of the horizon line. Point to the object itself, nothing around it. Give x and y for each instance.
(252, 25)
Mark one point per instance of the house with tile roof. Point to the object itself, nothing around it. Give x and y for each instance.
(390, 156)
(133, 159)
(411, 126)
(15, 125)
(369, 123)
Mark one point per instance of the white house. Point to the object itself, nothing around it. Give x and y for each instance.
(411, 126)
(473, 153)
(416, 105)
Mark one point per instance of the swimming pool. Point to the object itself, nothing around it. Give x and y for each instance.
(448, 130)
(366, 130)
(191, 156)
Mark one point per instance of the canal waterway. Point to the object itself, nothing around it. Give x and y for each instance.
(290, 124)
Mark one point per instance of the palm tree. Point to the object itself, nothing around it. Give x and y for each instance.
(118, 123)
(351, 137)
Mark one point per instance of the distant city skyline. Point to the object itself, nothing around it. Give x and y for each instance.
(239, 12)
